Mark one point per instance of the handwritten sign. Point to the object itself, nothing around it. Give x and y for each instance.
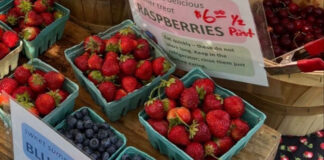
(217, 35)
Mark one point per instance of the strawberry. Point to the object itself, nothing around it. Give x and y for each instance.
(173, 88)
(4, 50)
(211, 149)
(189, 98)
(126, 32)
(292, 148)
(234, 106)
(96, 77)
(23, 94)
(127, 45)
(218, 122)
(160, 126)
(322, 145)
(160, 66)
(29, 33)
(195, 150)
(21, 24)
(37, 83)
(129, 83)
(239, 129)
(54, 80)
(33, 19)
(120, 93)
(142, 51)
(95, 62)
(94, 44)
(24, 7)
(212, 101)
(12, 17)
(40, 6)
(57, 14)
(284, 157)
(10, 38)
(33, 110)
(224, 144)
(112, 57)
(8, 85)
(179, 115)
(111, 45)
(204, 86)
(82, 61)
(58, 95)
(127, 64)
(179, 135)
(199, 132)
(110, 68)
(108, 90)
(144, 70)
(168, 104)
(308, 155)
(198, 115)
(4, 100)
(320, 134)
(44, 103)
(3, 18)
(63, 94)
(154, 109)
(40, 72)
(48, 18)
(23, 72)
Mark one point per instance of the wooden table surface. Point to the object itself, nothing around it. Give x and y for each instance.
(262, 146)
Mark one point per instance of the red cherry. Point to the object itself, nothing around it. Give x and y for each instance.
(283, 13)
(274, 20)
(293, 7)
(319, 12)
(311, 19)
(299, 24)
(267, 3)
(279, 29)
(307, 28)
(309, 37)
(285, 40)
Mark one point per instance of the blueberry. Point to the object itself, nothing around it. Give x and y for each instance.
(95, 128)
(86, 142)
(79, 137)
(93, 156)
(94, 143)
(89, 133)
(137, 157)
(104, 126)
(79, 145)
(87, 150)
(88, 124)
(102, 134)
(71, 121)
(97, 153)
(78, 115)
(74, 131)
(85, 118)
(111, 150)
(101, 149)
(126, 157)
(79, 125)
(68, 135)
(113, 139)
(95, 135)
(85, 111)
(105, 156)
(119, 143)
(105, 143)
(110, 133)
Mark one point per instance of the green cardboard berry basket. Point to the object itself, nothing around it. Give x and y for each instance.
(134, 151)
(3, 3)
(116, 109)
(96, 118)
(47, 37)
(252, 116)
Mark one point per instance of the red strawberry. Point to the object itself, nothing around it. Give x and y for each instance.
(108, 90)
(129, 83)
(110, 68)
(21, 24)
(33, 110)
(284, 157)
(198, 115)
(23, 72)
(160, 66)
(224, 144)
(29, 33)
(4, 100)
(212, 101)
(10, 38)
(127, 64)
(40, 6)
(144, 70)
(94, 44)
(234, 106)
(179, 115)
(160, 126)
(211, 149)
(204, 86)
(239, 129)
(58, 95)
(179, 135)
(127, 45)
(12, 17)
(24, 7)
(199, 132)
(189, 98)
(95, 62)
(40, 72)
(292, 148)
(142, 51)
(3, 18)
(218, 122)
(82, 61)
(173, 88)
(308, 154)
(320, 134)
(120, 93)
(168, 104)
(54, 80)
(8, 85)
(195, 150)
(322, 145)
(44, 103)
(154, 109)
(303, 140)
(126, 32)
(37, 83)
(23, 94)
(96, 77)
(63, 95)
(33, 19)
(48, 18)
(4, 50)
(111, 45)
(112, 57)
(18, 2)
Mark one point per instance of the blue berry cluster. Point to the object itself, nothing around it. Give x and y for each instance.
(132, 157)
(95, 139)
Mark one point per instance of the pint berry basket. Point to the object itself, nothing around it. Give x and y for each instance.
(252, 116)
(134, 151)
(47, 37)
(116, 109)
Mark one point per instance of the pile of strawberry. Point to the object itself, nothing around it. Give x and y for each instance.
(119, 65)
(28, 17)
(205, 126)
(38, 91)
(8, 41)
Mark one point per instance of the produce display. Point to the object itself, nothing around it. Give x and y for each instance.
(292, 25)
(36, 90)
(97, 140)
(205, 126)
(29, 17)
(8, 41)
(121, 64)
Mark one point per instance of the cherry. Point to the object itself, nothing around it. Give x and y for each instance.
(285, 40)
(277, 3)
(319, 12)
(320, 22)
(290, 26)
(293, 7)
(284, 21)
(311, 19)
(317, 30)
(269, 13)
(307, 28)
(309, 9)
(279, 29)
(267, 3)
(277, 50)
(274, 20)
(309, 37)
(299, 24)
(283, 13)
